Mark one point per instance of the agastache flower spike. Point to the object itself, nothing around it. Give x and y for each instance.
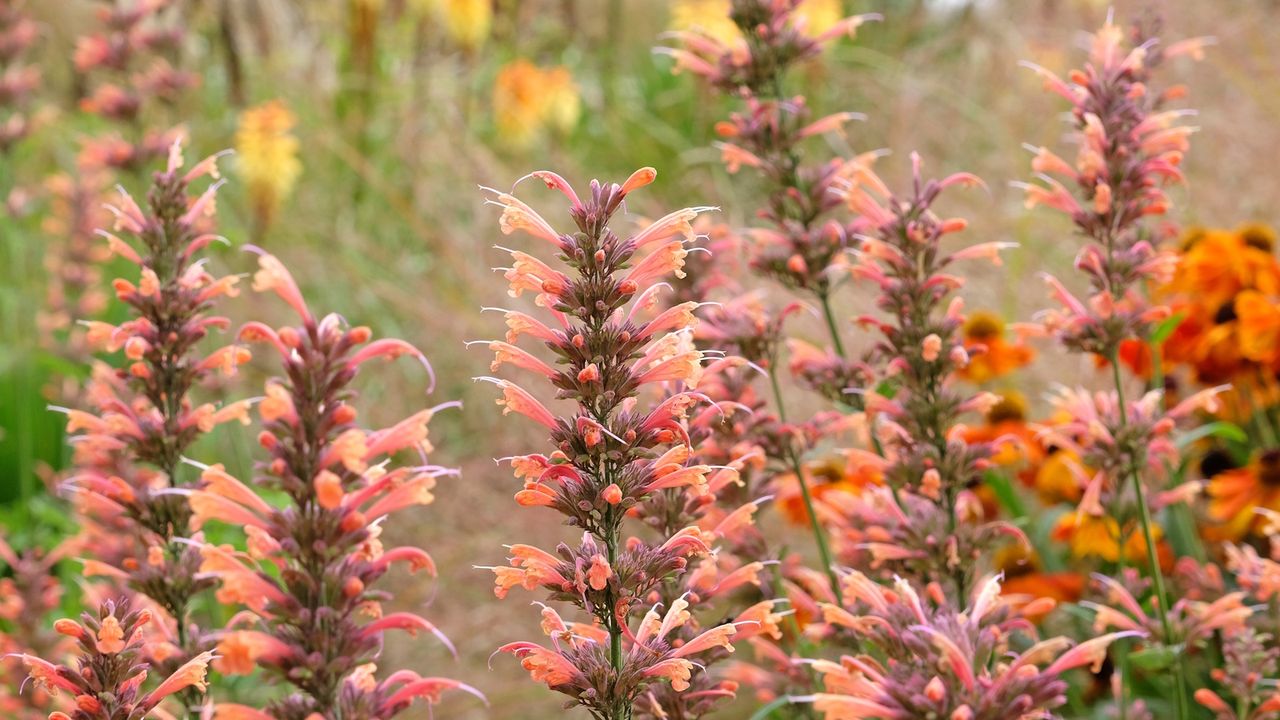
(608, 456)
(318, 623)
(936, 659)
(925, 531)
(129, 447)
(1129, 150)
(106, 683)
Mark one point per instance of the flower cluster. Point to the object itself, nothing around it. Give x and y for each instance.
(305, 620)
(107, 683)
(803, 247)
(128, 64)
(74, 289)
(609, 454)
(934, 522)
(1129, 147)
(31, 592)
(761, 38)
(935, 659)
(18, 80)
(1225, 295)
(129, 447)
(1224, 292)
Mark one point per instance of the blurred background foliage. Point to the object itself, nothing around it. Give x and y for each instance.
(401, 108)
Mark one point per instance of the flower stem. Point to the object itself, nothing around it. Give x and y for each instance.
(615, 624)
(1157, 575)
(793, 457)
(836, 343)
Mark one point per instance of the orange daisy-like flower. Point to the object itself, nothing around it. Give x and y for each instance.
(991, 355)
(1225, 289)
(1025, 580)
(1099, 537)
(1236, 495)
(825, 478)
(1007, 425)
(1218, 264)
(1259, 327)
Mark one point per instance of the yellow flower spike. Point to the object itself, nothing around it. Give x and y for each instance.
(267, 158)
(563, 102)
(468, 22)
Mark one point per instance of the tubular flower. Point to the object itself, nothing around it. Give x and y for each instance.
(267, 159)
(609, 459)
(309, 623)
(107, 682)
(1194, 622)
(940, 660)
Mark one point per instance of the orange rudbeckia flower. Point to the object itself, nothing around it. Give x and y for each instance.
(1027, 582)
(1099, 537)
(825, 477)
(991, 355)
(1235, 495)
(1259, 327)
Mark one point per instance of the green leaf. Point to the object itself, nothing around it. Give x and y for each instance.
(887, 389)
(767, 710)
(1162, 331)
(1218, 428)
(1154, 658)
(1005, 493)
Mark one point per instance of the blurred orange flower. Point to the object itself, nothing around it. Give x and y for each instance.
(1099, 537)
(991, 355)
(1236, 495)
(1026, 582)
(825, 477)
(1227, 291)
(527, 100)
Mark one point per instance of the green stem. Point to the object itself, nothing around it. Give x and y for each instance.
(615, 624)
(793, 457)
(832, 327)
(1157, 575)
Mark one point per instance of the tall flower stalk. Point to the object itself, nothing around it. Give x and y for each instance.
(802, 247)
(935, 530)
(1129, 147)
(316, 620)
(145, 416)
(611, 453)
